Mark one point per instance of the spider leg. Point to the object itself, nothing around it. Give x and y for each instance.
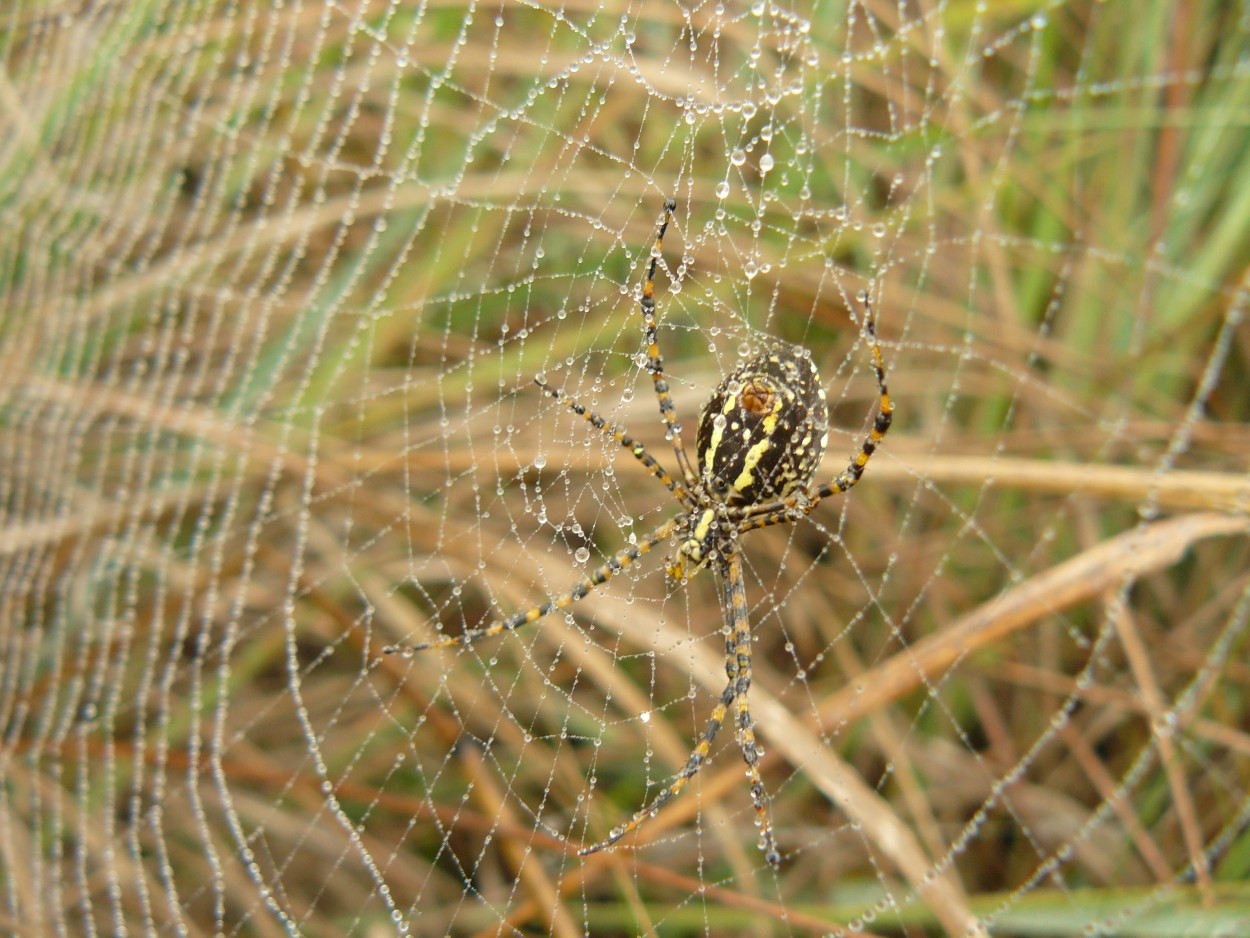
(698, 758)
(735, 592)
(785, 511)
(614, 565)
(738, 671)
(805, 499)
(655, 364)
(636, 449)
(847, 478)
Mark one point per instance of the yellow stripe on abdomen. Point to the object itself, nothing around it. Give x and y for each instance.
(718, 433)
(747, 477)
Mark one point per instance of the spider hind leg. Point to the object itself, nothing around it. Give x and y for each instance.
(850, 476)
(655, 362)
(634, 448)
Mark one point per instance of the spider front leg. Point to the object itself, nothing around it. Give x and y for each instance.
(734, 696)
(615, 564)
(697, 759)
(735, 593)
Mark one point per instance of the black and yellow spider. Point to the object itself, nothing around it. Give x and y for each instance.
(761, 438)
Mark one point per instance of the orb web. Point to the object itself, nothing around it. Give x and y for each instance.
(277, 281)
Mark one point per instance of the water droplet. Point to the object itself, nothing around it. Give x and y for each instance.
(581, 555)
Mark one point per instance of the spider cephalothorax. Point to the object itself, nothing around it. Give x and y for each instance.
(760, 441)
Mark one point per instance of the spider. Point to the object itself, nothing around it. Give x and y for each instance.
(760, 441)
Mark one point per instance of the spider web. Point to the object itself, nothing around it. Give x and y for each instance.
(277, 279)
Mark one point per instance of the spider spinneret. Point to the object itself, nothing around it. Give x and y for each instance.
(761, 437)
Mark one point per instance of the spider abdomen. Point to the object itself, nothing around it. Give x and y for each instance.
(764, 430)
